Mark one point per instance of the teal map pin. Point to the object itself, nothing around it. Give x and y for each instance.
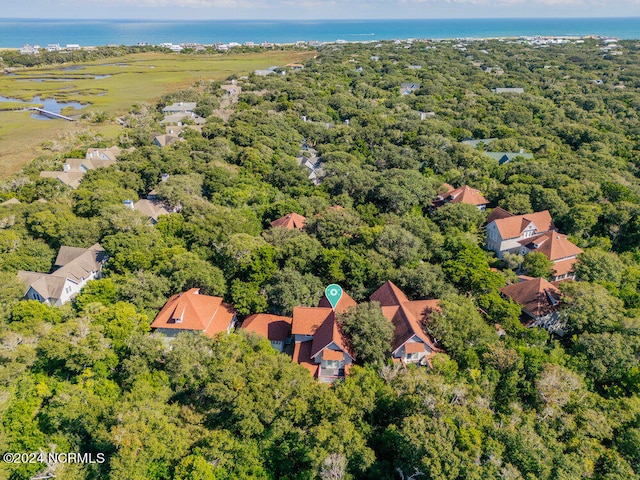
(333, 293)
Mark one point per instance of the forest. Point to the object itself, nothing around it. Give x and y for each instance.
(90, 376)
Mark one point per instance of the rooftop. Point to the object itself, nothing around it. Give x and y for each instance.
(192, 311)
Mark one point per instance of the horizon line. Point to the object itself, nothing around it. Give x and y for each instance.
(168, 20)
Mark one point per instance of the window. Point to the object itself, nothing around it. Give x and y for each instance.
(412, 356)
(332, 364)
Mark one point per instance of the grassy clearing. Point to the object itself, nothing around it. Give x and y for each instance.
(126, 80)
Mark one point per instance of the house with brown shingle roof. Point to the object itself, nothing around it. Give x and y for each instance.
(410, 343)
(540, 301)
(291, 221)
(73, 268)
(557, 248)
(166, 140)
(192, 312)
(151, 208)
(70, 179)
(274, 327)
(319, 345)
(74, 169)
(504, 234)
(103, 154)
(463, 194)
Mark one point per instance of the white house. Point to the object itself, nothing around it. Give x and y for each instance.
(504, 234)
(30, 50)
(74, 267)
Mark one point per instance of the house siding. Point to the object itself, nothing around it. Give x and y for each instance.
(401, 353)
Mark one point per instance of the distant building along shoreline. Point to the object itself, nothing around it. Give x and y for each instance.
(15, 33)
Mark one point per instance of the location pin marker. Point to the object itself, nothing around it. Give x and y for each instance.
(333, 293)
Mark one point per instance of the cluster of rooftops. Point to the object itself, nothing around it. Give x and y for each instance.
(74, 169)
(312, 335)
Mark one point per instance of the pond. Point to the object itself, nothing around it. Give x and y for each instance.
(45, 80)
(49, 104)
(63, 79)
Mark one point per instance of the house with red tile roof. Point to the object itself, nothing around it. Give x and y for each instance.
(319, 345)
(290, 221)
(463, 194)
(505, 234)
(192, 312)
(498, 213)
(540, 301)
(410, 343)
(557, 248)
(274, 327)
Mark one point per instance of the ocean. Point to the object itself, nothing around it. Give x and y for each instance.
(15, 33)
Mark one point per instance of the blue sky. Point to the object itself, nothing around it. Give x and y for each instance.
(316, 9)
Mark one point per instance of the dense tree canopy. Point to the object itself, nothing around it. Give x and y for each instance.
(503, 401)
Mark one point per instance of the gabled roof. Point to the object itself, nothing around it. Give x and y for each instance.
(389, 294)
(69, 254)
(498, 213)
(166, 140)
(512, 227)
(537, 297)
(195, 312)
(465, 194)
(327, 334)
(74, 264)
(71, 179)
(151, 208)
(103, 153)
(407, 325)
(554, 246)
(48, 286)
(307, 320)
(77, 263)
(407, 316)
(420, 308)
(345, 303)
(290, 221)
(302, 355)
(320, 322)
(273, 327)
(180, 107)
(564, 267)
(83, 164)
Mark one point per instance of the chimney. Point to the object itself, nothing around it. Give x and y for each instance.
(128, 203)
